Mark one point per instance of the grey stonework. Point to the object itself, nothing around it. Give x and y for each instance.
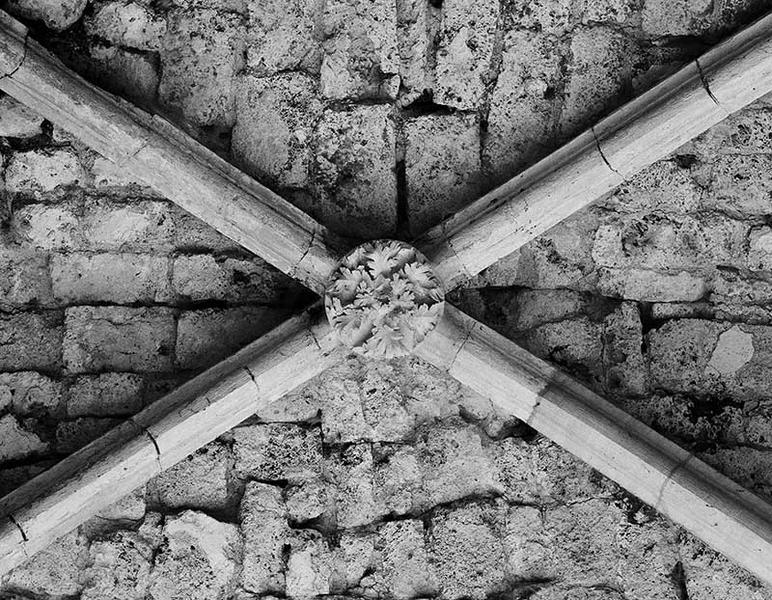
(384, 480)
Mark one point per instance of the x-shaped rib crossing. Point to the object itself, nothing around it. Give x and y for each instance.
(719, 511)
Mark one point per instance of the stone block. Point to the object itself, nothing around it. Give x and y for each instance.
(651, 286)
(417, 24)
(407, 569)
(739, 185)
(608, 11)
(206, 336)
(199, 559)
(141, 226)
(307, 500)
(626, 371)
(310, 567)
(521, 120)
(109, 176)
(47, 227)
(665, 186)
(266, 535)
(105, 395)
(193, 235)
(661, 18)
(24, 279)
(649, 554)
(43, 170)
(281, 36)
(350, 469)
(73, 435)
(54, 15)
(114, 278)
(361, 58)
(201, 481)
(278, 452)
(464, 52)
(466, 548)
(275, 118)
(16, 442)
(31, 394)
(30, 341)
(549, 16)
(130, 24)
(127, 73)
(354, 172)
(202, 277)
(200, 54)
(18, 121)
(760, 251)
(118, 338)
(442, 167)
(120, 569)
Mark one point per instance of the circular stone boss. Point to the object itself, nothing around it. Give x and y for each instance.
(383, 299)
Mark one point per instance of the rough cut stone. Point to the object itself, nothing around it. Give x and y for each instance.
(651, 286)
(277, 452)
(625, 368)
(142, 226)
(127, 24)
(676, 17)
(354, 171)
(442, 167)
(738, 184)
(17, 443)
(307, 501)
(107, 175)
(200, 481)
(361, 58)
(549, 16)
(30, 341)
(118, 338)
(199, 560)
(43, 170)
(31, 394)
(57, 15)
(108, 394)
(73, 435)
(114, 278)
(281, 36)
(266, 533)
(309, 568)
(206, 336)
(351, 472)
(18, 121)
(200, 54)
(760, 252)
(417, 25)
(120, 570)
(465, 51)
(275, 118)
(24, 279)
(407, 570)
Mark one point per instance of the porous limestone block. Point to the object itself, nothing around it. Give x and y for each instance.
(652, 286)
(466, 548)
(361, 58)
(523, 103)
(107, 175)
(278, 452)
(407, 570)
(114, 278)
(549, 16)
(625, 368)
(662, 18)
(740, 185)
(144, 226)
(198, 560)
(760, 252)
(281, 36)
(417, 24)
(31, 394)
(43, 170)
(16, 443)
(120, 569)
(73, 435)
(206, 336)
(608, 11)
(665, 186)
(24, 279)
(307, 501)
(200, 54)
(266, 534)
(118, 338)
(201, 481)
(275, 119)
(31, 341)
(354, 171)
(310, 566)
(464, 53)
(129, 24)
(442, 167)
(18, 121)
(350, 470)
(57, 15)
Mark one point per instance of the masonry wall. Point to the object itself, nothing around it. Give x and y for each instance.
(384, 480)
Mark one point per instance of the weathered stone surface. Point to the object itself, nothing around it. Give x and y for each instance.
(442, 167)
(676, 17)
(16, 442)
(521, 120)
(107, 394)
(18, 121)
(351, 472)
(24, 279)
(201, 481)
(549, 16)
(55, 571)
(281, 36)
(127, 73)
(39, 171)
(200, 54)
(760, 251)
(265, 530)
(206, 336)
(275, 119)
(307, 501)
(120, 570)
(417, 25)
(198, 560)
(54, 15)
(354, 171)
(465, 545)
(465, 50)
(309, 568)
(608, 11)
(277, 452)
(73, 435)
(738, 185)
(651, 286)
(130, 24)
(30, 341)
(361, 58)
(665, 186)
(107, 175)
(114, 278)
(648, 551)
(31, 394)
(626, 371)
(118, 338)
(407, 569)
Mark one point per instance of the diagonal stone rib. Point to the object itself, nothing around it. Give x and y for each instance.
(711, 506)
(74, 490)
(724, 80)
(154, 151)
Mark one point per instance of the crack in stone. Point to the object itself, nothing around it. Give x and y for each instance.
(704, 81)
(600, 151)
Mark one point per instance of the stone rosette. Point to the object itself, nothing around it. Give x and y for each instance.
(384, 299)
